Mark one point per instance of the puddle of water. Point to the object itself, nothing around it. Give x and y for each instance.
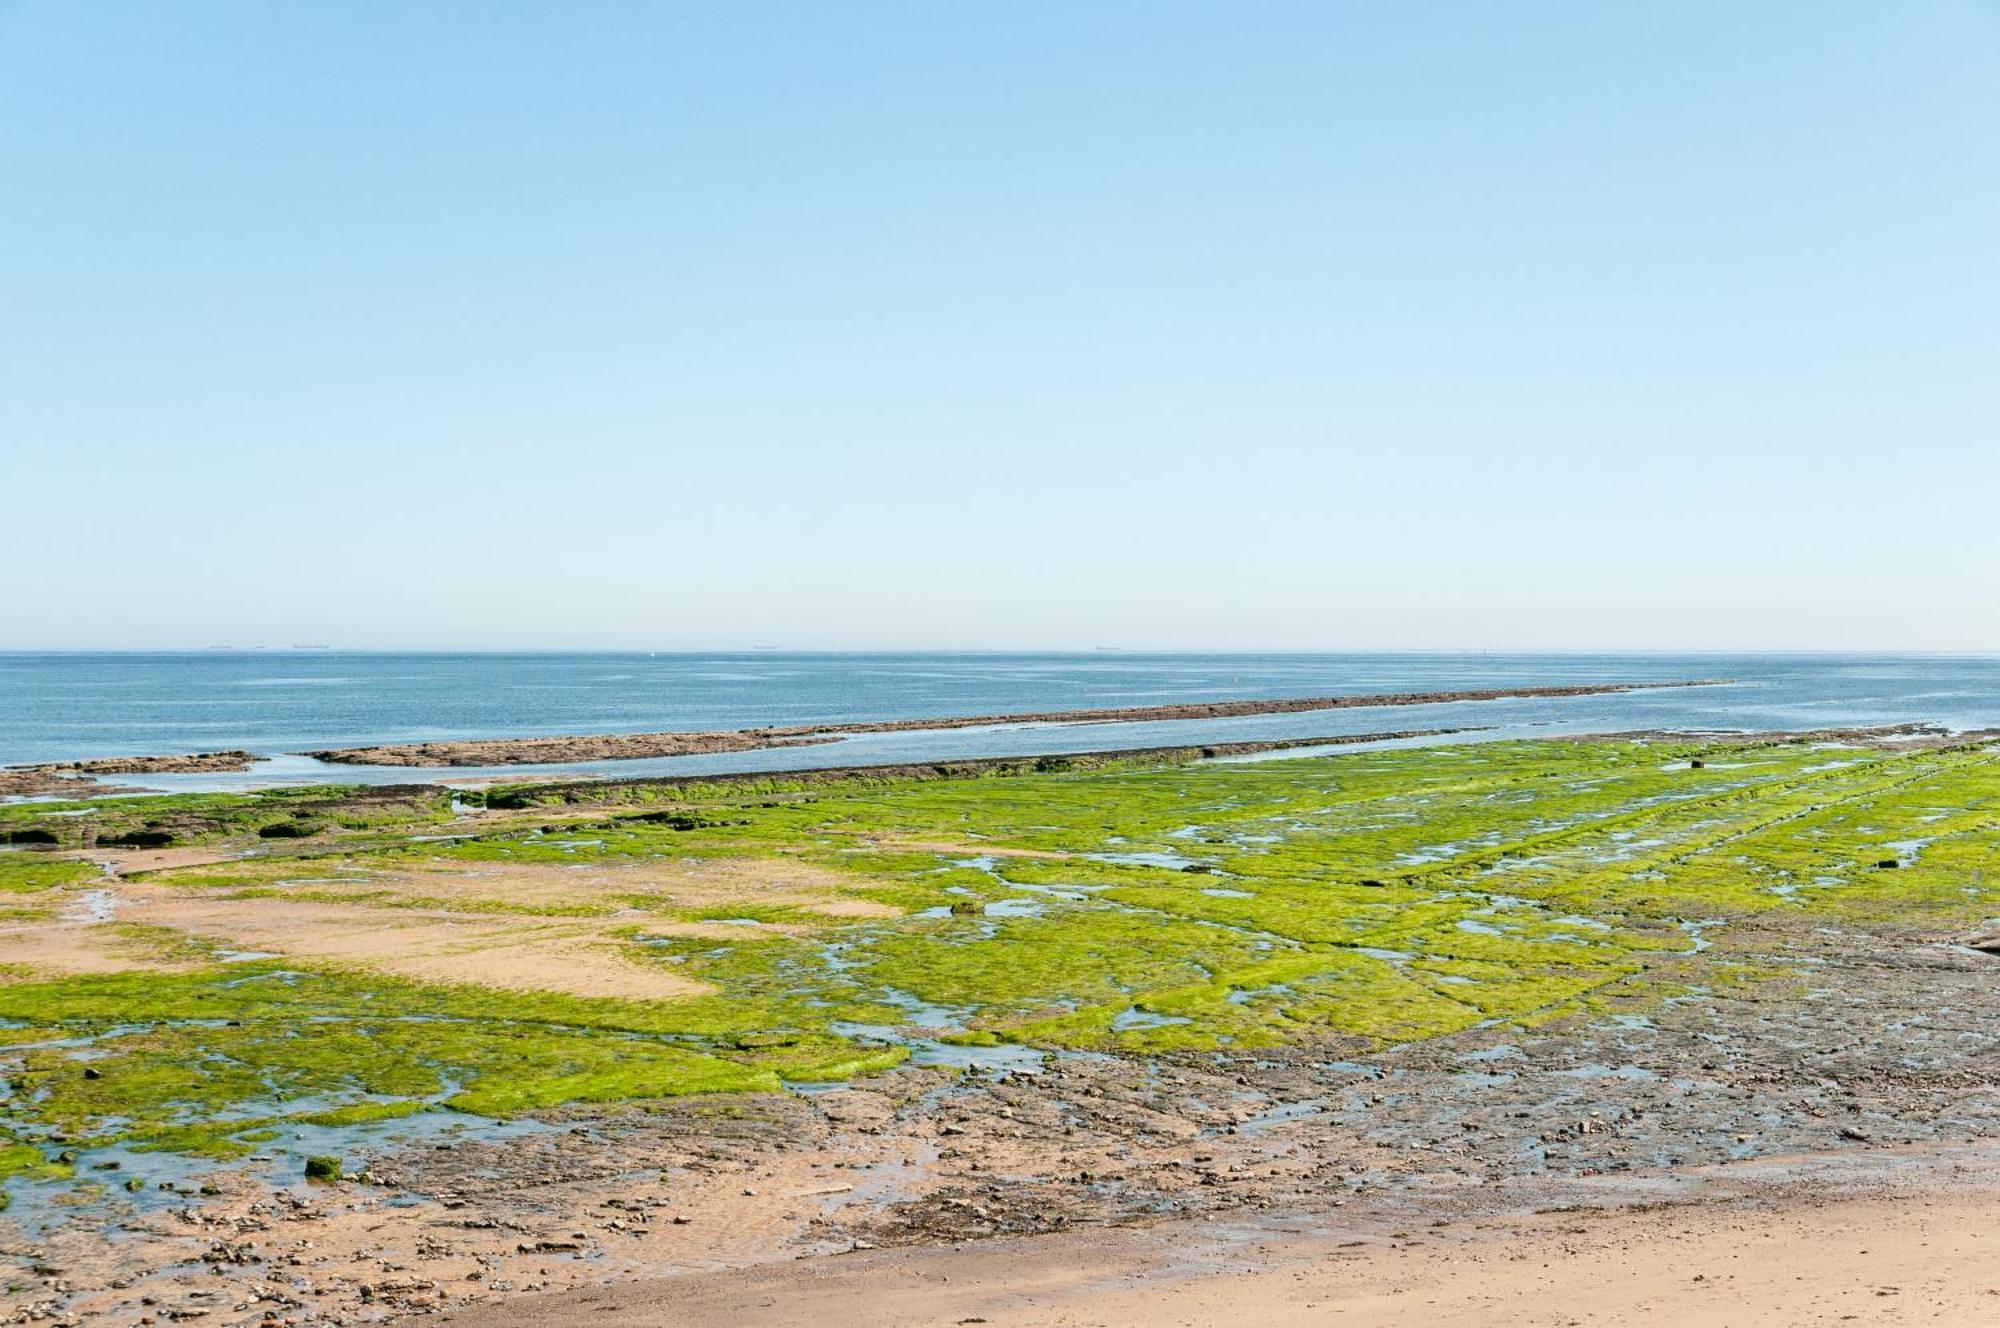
(1908, 850)
(43, 1206)
(1074, 894)
(1696, 931)
(1007, 1057)
(1015, 908)
(1596, 1070)
(1504, 1051)
(1483, 1078)
(1128, 1020)
(1245, 995)
(92, 906)
(1174, 861)
(1280, 1114)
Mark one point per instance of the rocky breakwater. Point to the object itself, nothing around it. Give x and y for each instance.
(636, 746)
(78, 779)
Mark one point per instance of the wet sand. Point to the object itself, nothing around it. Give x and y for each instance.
(1910, 1239)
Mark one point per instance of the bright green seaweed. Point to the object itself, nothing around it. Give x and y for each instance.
(1364, 898)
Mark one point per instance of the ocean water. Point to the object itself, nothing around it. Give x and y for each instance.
(66, 705)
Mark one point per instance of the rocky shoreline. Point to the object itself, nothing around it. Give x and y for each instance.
(634, 746)
(190, 764)
(42, 784)
(78, 779)
(647, 787)
(538, 751)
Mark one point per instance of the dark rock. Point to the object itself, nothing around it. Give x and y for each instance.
(139, 839)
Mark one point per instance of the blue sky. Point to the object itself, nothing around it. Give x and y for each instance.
(846, 325)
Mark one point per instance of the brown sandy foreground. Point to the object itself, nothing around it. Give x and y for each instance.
(1905, 1238)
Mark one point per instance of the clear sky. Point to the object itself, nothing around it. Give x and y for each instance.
(1229, 325)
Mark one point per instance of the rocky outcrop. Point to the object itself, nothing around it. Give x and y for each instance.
(633, 746)
(76, 779)
(535, 751)
(190, 764)
(518, 796)
(33, 783)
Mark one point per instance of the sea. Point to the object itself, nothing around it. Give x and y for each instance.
(66, 705)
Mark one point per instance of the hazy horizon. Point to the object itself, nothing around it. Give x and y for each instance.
(1439, 326)
(781, 652)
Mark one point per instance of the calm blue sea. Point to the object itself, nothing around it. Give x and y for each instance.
(61, 705)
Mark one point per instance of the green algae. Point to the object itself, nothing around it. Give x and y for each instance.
(23, 873)
(193, 818)
(1140, 908)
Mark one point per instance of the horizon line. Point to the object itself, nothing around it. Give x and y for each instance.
(798, 651)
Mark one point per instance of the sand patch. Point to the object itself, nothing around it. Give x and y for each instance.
(69, 949)
(596, 885)
(702, 882)
(131, 861)
(853, 908)
(610, 884)
(576, 957)
(719, 931)
(517, 926)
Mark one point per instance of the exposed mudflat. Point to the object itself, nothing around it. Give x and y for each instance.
(1888, 1053)
(628, 746)
(1210, 1021)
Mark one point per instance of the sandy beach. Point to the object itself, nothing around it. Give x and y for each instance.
(1807, 1240)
